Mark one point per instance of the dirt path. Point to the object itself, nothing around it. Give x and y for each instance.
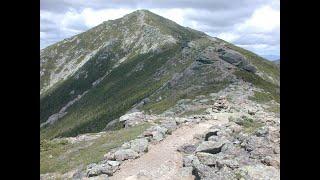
(163, 161)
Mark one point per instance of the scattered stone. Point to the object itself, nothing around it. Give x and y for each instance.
(170, 125)
(269, 161)
(124, 154)
(190, 160)
(262, 131)
(109, 156)
(139, 145)
(156, 132)
(98, 169)
(232, 164)
(258, 172)
(126, 145)
(187, 148)
(113, 163)
(251, 112)
(210, 147)
(207, 158)
(132, 119)
(186, 172)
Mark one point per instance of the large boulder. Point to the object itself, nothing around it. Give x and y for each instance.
(237, 59)
(207, 158)
(132, 119)
(98, 169)
(232, 57)
(156, 133)
(124, 154)
(258, 172)
(171, 125)
(139, 145)
(212, 147)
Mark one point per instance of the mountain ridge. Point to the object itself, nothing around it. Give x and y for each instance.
(129, 63)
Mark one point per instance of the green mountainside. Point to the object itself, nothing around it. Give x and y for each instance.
(140, 61)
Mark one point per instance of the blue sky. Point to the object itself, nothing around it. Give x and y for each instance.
(251, 24)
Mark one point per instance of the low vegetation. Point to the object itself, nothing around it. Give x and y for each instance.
(257, 81)
(61, 156)
(261, 97)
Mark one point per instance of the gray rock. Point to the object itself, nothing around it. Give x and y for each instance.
(270, 161)
(171, 125)
(258, 172)
(250, 68)
(207, 158)
(124, 154)
(235, 128)
(132, 119)
(276, 150)
(262, 131)
(186, 172)
(139, 145)
(98, 169)
(113, 163)
(230, 163)
(109, 155)
(210, 147)
(187, 148)
(157, 136)
(126, 145)
(190, 160)
(156, 133)
(232, 57)
(201, 171)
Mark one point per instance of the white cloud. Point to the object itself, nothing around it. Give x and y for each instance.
(252, 24)
(95, 17)
(264, 19)
(228, 36)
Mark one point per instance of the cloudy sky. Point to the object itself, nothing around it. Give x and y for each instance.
(251, 24)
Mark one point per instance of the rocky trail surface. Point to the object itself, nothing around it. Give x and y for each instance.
(234, 138)
(163, 161)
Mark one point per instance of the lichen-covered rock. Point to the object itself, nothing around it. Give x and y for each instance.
(98, 169)
(139, 145)
(124, 154)
(171, 125)
(207, 158)
(156, 133)
(262, 131)
(132, 119)
(110, 155)
(190, 160)
(258, 172)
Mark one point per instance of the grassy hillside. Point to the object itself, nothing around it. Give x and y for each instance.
(115, 95)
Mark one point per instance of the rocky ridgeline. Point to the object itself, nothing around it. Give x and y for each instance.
(244, 148)
(137, 147)
(247, 147)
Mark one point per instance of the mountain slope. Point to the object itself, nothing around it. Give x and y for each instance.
(141, 61)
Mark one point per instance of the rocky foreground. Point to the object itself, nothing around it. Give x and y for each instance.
(234, 138)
